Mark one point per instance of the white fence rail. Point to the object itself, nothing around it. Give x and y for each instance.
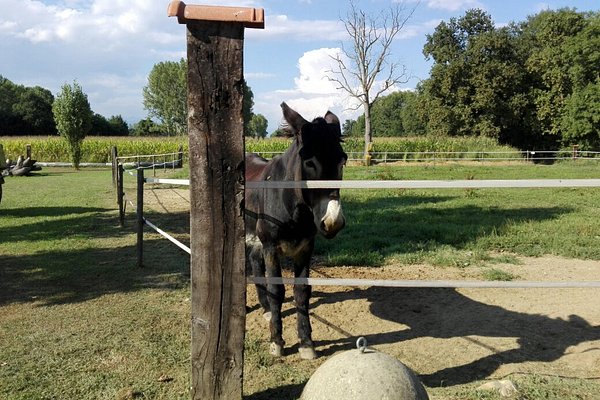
(399, 184)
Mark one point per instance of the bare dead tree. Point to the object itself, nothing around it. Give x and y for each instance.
(358, 67)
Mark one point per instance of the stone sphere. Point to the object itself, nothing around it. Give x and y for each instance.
(368, 375)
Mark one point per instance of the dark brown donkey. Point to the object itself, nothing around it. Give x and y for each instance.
(282, 223)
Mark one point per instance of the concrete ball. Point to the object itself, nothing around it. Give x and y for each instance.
(357, 375)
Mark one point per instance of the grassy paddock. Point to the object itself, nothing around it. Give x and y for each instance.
(78, 320)
(461, 227)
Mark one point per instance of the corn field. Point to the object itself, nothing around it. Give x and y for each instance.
(97, 149)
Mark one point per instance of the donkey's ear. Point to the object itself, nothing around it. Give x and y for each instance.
(333, 120)
(294, 121)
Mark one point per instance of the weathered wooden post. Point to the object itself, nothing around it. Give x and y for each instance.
(215, 44)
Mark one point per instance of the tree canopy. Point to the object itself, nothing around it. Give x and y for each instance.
(25, 110)
(165, 95)
(532, 84)
(519, 84)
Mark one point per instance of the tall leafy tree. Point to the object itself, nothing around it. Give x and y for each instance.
(347, 127)
(25, 110)
(580, 120)
(10, 124)
(550, 33)
(118, 126)
(73, 117)
(247, 105)
(165, 98)
(165, 95)
(412, 120)
(34, 107)
(258, 126)
(478, 83)
(145, 127)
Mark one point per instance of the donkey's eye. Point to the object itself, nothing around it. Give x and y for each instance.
(310, 164)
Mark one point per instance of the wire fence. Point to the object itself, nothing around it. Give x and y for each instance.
(385, 157)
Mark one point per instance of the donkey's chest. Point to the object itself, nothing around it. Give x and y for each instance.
(285, 248)
(294, 248)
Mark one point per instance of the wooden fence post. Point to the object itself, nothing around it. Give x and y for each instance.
(215, 44)
(179, 160)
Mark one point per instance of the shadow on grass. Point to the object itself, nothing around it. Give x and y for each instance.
(387, 226)
(49, 211)
(100, 259)
(292, 391)
(446, 313)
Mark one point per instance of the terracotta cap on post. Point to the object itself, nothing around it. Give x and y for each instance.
(250, 17)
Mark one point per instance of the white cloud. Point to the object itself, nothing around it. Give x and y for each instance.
(258, 75)
(453, 5)
(103, 20)
(283, 27)
(314, 67)
(313, 93)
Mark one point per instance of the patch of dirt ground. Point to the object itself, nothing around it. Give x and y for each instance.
(457, 336)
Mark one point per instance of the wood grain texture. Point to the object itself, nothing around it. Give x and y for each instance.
(215, 127)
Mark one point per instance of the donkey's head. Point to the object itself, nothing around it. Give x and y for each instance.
(322, 158)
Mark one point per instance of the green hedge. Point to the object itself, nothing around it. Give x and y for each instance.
(97, 149)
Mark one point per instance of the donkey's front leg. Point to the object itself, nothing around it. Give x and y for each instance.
(276, 294)
(302, 298)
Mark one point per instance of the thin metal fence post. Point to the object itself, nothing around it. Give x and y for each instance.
(120, 195)
(140, 217)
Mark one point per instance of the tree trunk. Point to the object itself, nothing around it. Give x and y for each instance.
(368, 135)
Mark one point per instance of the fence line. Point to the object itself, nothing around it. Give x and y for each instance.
(382, 184)
(443, 156)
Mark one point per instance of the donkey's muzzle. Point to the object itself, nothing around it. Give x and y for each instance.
(333, 221)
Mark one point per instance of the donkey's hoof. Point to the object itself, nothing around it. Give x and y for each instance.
(267, 316)
(276, 349)
(307, 353)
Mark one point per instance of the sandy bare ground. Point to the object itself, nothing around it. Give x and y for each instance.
(456, 336)
(448, 336)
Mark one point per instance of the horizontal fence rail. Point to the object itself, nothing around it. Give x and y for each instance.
(426, 184)
(400, 184)
(423, 283)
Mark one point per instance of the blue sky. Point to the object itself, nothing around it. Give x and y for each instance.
(110, 46)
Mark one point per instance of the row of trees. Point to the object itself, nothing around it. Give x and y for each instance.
(532, 84)
(28, 111)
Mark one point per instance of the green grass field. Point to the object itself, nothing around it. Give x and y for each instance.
(78, 320)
